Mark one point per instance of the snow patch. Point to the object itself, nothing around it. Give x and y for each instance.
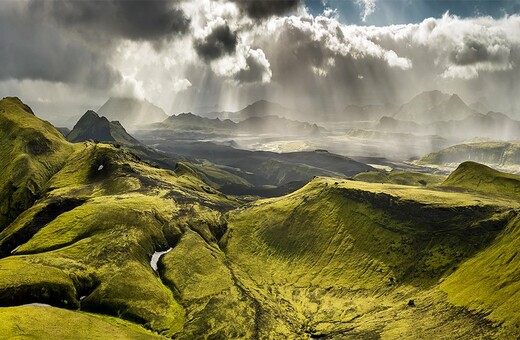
(100, 167)
(15, 249)
(156, 256)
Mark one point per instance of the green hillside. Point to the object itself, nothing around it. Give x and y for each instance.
(31, 151)
(343, 259)
(121, 249)
(400, 177)
(501, 154)
(478, 177)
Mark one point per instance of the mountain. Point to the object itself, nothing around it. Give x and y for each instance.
(479, 107)
(109, 246)
(492, 125)
(390, 124)
(493, 153)
(93, 127)
(365, 112)
(259, 108)
(252, 125)
(31, 152)
(132, 112)
(432, 106)
(278, 125)
(189, 121)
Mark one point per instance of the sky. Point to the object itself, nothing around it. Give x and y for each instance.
(63, 57)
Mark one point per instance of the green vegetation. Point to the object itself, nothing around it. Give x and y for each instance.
(38, 322)
(337, 258)
(370, 247)
(478, 177)
(488, 284)
(31, 151)
(492, 153)
(400, 177)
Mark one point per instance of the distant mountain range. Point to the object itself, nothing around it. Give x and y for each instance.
(433, 106)
(132, 112)
(259, 108)
(256, 124)
(426, 107)
(493, 125)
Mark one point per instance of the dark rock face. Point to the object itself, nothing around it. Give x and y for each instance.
(91, 126)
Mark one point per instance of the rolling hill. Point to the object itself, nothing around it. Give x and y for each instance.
(494, 153)
(478, 177)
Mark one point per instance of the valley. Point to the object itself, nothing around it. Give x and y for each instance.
(173, 239)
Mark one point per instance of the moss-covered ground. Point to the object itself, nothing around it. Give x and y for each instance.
(336, 259)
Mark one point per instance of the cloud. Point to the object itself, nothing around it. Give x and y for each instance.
(39, 51)
(369, 7)
(261, 9)
(257, 68)
(138, 20)
(217, 43)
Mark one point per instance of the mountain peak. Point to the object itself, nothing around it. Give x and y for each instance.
(132, 112)
(432, 106)
(92, 126)
(18, 102)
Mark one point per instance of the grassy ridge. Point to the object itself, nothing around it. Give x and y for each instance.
(370, 247)
(95, 254)
(400, 177)
(497, 153)
(478, 177)
(31, 151)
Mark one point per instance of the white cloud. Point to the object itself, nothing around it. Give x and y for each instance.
(369, 7)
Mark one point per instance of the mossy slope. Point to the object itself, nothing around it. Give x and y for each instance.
(95, 255)
(400, 177)
(342, 258)
(478, 177)
(336, 259)
(31, 151)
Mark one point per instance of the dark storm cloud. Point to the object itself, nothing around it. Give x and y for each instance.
(72, 41)
(145, 20)
(219, 42)
(260, 9)
(35, 50)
